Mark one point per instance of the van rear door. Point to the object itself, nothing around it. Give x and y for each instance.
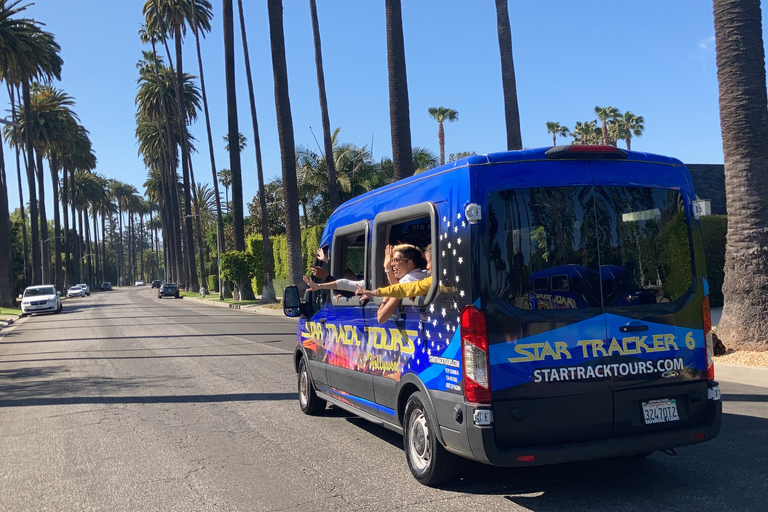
(651, 296)
(540, 285)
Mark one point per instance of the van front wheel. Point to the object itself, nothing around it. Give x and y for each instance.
(309, 402)
(429, 462)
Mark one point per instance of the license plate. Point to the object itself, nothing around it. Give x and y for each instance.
(660, 411)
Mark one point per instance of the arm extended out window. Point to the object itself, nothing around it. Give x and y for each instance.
(415, 225)
(349, 260)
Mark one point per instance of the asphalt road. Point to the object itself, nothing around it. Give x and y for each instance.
(129, 403)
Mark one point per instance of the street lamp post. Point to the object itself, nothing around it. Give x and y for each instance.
(218, 256)
(45, 265)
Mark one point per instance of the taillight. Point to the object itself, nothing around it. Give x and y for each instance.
(474, 349)
(708, 337)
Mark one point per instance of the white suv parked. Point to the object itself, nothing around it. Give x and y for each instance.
(40, 299)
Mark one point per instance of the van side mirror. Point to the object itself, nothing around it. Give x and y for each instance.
(291, 302)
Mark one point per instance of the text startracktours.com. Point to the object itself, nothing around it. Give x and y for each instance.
(603, 371)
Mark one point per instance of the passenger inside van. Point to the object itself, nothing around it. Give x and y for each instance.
(403, 263)
(401, 290)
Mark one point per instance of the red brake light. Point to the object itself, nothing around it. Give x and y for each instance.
(577, 151)
(474, 349)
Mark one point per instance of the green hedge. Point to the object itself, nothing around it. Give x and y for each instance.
(310, 240)
(213, 283)
(713, 230)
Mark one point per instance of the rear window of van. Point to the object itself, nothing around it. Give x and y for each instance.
(588, 246)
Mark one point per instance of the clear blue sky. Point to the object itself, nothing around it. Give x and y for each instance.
(654, 58)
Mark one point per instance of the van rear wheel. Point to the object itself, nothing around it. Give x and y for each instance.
(429, 462)
(309, 402)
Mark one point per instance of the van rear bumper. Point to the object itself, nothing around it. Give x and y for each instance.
(483, 445)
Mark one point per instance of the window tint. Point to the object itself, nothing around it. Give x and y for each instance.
(582, 247)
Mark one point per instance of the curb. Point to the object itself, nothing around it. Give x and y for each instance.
(251, 308)
(742, 374)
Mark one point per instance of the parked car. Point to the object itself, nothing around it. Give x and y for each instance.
(40, 299)
(86, 288)
(140, 283)
(157, 283)
(106, 286)
(76, 291)
(168, 290)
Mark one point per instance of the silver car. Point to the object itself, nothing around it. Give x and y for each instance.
(76, 291)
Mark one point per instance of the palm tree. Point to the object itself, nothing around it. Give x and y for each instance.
(268, 292)
(27, 53)
(604, 114)
(232, 125)
(7, 297)
(200, 22)
(743, 104)
(399, 110)
(632, 125)
(586, 133)
(509, 86)
(332, 185)
(12, 93)
(225, 178)
(287, 147)
(442, 114)
(556, 129)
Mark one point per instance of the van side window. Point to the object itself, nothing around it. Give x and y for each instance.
(349, 256)
(415, 225)
(598, 246)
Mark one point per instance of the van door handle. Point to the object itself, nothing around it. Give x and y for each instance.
(633, 328)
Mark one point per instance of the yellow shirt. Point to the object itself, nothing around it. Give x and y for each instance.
(402, 290)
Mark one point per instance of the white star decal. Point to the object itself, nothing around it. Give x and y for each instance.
(434, 322)
(454, 252)
(431, 308)
(445, 271)
(443, 312)
(463, 224)
(448, 328)
(449, 223)
(458, 241)
(449, 244)
(458, 216)
(461, 293)
(443, 254)
(444, 218)
(461, 260)
(456, 229)
(457, 279)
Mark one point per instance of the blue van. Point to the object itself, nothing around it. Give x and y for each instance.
(479, 367)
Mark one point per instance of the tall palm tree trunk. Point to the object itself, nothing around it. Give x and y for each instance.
(224, 291)
(7, 297)
(103, 247)
(441, 141)
(287, 145)
(509, 86)
(233, 131)
(333, 186)
(58, 275)
(192, 283)
(67, 236)
(22, 210)
(744, 125)
(198, 229)
(399, 110)
(37, 277)
(95, 247)
(44, 238)
(268, 291)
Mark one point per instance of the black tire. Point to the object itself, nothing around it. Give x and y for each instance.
(177, 295)
(159, 296)
(23, 315)
(309, 402)
(640, 456)
(430, 463)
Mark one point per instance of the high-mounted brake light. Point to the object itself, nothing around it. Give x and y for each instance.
(474, 350)
(708, 342)
(585, 151)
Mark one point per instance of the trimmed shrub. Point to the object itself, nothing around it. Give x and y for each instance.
(213, 283)
(714, 229)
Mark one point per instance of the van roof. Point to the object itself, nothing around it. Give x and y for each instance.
(350, 207)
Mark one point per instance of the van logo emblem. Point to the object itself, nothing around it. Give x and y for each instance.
(671, 374)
